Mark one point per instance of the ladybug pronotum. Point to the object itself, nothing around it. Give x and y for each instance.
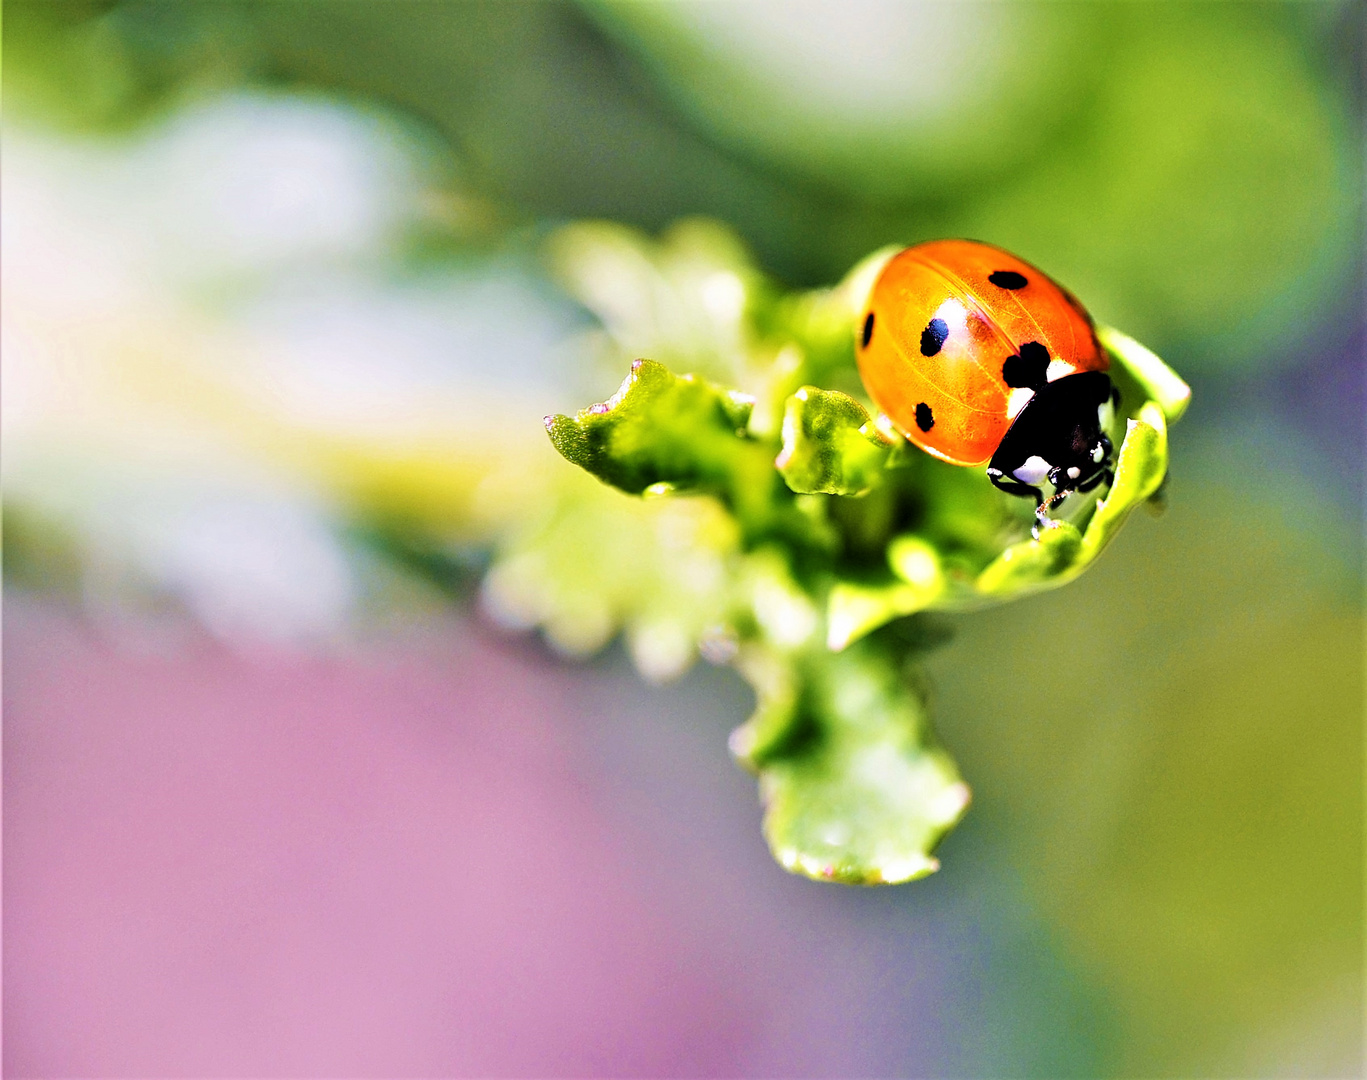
(979, 358)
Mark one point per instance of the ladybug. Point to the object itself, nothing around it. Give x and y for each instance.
(979, 358)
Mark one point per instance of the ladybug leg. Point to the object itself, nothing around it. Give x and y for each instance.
(1101, 476)
(1014, 487)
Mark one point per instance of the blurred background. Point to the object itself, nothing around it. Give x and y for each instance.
(278, 332)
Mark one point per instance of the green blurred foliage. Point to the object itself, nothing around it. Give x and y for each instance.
(1174, 748)
(98, 65)
(1208, 197)
(887, 102)
(1183, 166)
(1191, 169)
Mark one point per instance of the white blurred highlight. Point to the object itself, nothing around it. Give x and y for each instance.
(198, 313)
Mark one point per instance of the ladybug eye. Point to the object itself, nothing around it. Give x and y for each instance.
(868, 330)
(1007, 279)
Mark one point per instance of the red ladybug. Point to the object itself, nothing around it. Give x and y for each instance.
(977, 357)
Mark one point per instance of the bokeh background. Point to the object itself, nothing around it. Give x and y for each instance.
(278, 331)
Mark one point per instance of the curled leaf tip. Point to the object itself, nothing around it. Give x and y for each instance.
(1159, 382)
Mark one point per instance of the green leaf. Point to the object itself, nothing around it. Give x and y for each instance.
(1023, 567)
(817, 534)
(1140, 469)
(600, 562)
(860, 797)
(775, 682)
(676, 430)
(1062, 552)
(854, 609)
(658, 428)
(830, 445)
(1159, 382)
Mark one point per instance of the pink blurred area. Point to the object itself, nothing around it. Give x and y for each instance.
(389, 862)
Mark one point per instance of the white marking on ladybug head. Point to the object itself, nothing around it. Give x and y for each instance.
(1098, 452)
(1057, 369)
(1033, 470)
(1074, 472)
(1018, 399)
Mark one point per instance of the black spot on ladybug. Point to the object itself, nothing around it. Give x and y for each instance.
(925, 419)
(868, 330)
(1028, 369)
(1007, 279)
(932, 337)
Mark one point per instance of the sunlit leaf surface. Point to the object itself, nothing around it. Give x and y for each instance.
(860, 797)
(830, 533)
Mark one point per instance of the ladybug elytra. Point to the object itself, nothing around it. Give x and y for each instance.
(979, 358)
